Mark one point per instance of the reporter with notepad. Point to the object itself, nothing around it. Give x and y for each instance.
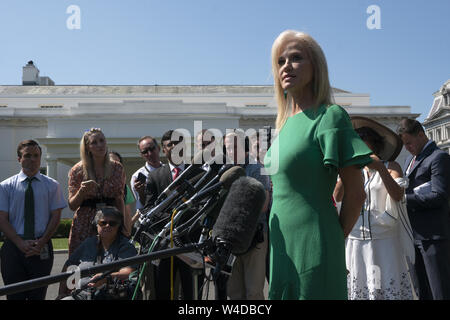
(427, 199)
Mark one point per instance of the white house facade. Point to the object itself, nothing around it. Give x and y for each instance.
(437, 123)
(57, 116)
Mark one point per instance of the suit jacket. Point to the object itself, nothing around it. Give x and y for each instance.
(429, 211)
(158, 180)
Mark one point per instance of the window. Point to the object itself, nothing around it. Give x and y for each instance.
(50, 106)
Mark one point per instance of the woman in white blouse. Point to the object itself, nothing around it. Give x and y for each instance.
(379, 249)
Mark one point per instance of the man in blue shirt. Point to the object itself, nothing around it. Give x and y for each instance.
(30, 211)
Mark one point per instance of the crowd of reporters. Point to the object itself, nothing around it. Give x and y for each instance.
(103, 222)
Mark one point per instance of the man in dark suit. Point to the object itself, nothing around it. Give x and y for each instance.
(159, 180)
(427, 196)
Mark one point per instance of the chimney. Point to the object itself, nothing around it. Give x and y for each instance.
(30, 76)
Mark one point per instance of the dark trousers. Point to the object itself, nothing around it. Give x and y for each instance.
(432, 268)
(162, 279)
(16, 268)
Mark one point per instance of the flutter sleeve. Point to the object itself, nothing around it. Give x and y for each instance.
(340, 144)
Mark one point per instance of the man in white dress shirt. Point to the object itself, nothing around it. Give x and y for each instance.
(149, 150)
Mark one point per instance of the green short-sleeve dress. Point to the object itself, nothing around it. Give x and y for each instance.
(307, 259)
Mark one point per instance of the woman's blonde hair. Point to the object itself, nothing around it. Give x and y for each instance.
(321, 85)
(86, 157)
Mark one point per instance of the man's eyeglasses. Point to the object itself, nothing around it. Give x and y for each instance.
(111, 223)
(151, 149)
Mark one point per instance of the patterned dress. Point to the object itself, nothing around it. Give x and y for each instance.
(113, 187)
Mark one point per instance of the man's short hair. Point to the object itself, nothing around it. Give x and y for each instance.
(145, 138)
(167, 136)
(27, 143)
(410, 126)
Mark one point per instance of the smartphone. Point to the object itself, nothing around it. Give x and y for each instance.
(141, 177)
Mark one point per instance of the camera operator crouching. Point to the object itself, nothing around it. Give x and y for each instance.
(107, 246)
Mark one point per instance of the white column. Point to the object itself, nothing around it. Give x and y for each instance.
(52, 168)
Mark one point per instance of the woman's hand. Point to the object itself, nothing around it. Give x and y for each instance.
(376, 164)
(95, 284)
(88, 189)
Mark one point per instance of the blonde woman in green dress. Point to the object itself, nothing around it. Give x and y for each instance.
(315, 143)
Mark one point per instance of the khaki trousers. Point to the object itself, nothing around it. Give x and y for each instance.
(249, 274)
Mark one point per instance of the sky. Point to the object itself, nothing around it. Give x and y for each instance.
(399, 53)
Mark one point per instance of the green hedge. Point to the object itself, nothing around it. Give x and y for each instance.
(63, 229)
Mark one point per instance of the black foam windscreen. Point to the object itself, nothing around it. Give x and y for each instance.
(239, 215)
(231, 175)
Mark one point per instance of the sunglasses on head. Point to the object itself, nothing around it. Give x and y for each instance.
(151, 149)
(111, 223)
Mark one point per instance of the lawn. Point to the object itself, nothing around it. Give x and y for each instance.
(58, 243)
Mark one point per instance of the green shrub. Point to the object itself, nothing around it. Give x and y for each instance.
(63, 229)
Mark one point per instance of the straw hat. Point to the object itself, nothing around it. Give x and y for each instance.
(392, 142)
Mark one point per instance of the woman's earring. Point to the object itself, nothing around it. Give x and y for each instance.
(285, 94)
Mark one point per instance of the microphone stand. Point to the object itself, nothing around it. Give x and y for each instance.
(84, 272)
(85, 286)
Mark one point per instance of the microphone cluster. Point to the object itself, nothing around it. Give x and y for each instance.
(218, 200)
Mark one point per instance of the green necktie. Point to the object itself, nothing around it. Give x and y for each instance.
(28, 231)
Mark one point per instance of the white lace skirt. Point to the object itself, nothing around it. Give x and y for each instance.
(378, 271)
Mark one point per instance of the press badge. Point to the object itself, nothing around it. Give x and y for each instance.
(45, 254)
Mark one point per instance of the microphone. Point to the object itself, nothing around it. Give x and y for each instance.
(225, 182)
(155, 212)
(237, 221)
(191, 170)
(202, 180)
(207, 180)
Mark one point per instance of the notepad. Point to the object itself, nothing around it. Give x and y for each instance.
(424, 188)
